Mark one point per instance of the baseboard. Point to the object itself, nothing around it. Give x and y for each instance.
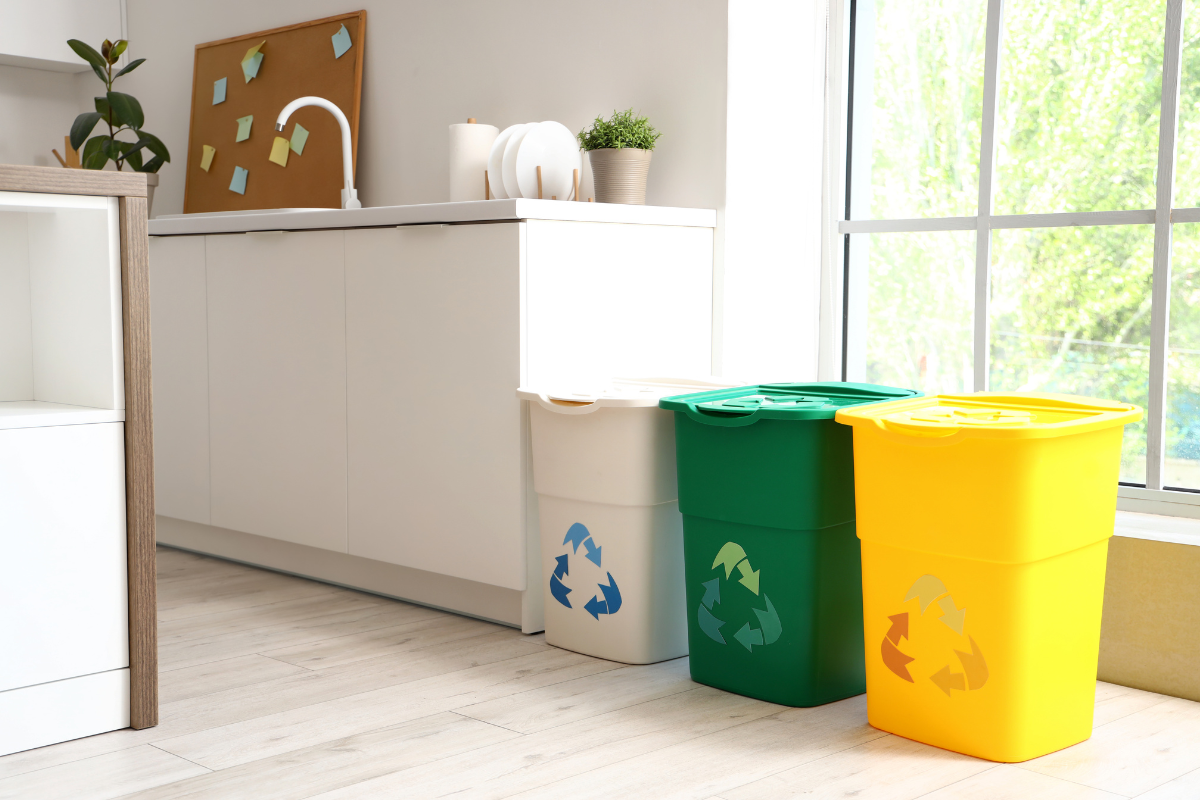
(1150, 637)
(49, 713)
(472, 599)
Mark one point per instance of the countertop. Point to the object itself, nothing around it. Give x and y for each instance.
(429, 214)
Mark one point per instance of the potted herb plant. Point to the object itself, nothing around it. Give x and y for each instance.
(619, 150)
(123, 114)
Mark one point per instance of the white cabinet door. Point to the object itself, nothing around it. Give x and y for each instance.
(433, 344)
(63, 584)
(611, 300)
(277, 385)
(179, 331)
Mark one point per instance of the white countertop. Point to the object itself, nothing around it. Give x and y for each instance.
(431, 213)
(39, 414)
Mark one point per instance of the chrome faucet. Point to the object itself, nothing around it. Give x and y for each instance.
(349, 193)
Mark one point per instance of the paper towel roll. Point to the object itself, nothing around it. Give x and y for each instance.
(470, 144)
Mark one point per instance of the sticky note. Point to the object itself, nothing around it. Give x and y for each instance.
(341, 42)
(244, 128)
(279, 151)
(206, 159)
(251, 61)
(238, 184)
(219, 91)
(299, 137)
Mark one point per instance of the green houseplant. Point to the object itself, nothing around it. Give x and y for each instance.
(122, 113)
(619, 150)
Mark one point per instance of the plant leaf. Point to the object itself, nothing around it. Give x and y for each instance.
(87, 53)
(133, 157)
(130, 67)
(153, 165)
(102, 105)
(82, 127)
(127, 109)
(154, 145)
(116, 51)
(93, 156)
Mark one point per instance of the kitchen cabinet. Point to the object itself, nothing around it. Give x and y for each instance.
(77, 594)
(277, 385)
(356, 380)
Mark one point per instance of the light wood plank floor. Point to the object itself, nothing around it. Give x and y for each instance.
(277, 687)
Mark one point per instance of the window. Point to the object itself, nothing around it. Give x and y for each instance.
(1021, 185)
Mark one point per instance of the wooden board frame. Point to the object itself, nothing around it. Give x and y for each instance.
(130, 190)
(315, 178)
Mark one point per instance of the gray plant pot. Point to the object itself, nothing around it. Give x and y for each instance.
(151, 183)
(619, 174)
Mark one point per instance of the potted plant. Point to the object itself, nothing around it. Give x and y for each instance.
(619, 150)
(123, 114)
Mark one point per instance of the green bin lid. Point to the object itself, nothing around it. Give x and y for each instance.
(789, 401)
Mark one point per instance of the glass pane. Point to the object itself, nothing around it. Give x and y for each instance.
(1071, 313)
(927, 90)
(1182, 468)
(1079, 89)
(920, 294)
(1187, 165)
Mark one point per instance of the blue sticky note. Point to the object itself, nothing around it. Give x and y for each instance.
(341, 42)
(299, 137)
(250, 66)
(219, 91)
(238, 184)
(244, 124)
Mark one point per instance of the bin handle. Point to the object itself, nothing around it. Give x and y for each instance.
(731, 421)
(934, 438)
(566, 406)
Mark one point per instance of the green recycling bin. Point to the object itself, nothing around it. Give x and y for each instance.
(771, 557)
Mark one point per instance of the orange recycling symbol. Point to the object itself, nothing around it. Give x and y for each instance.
(927, 589)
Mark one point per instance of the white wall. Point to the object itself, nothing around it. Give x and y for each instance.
(430, 64)
(772, 216)
(37, 108)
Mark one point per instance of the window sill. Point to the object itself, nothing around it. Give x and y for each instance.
(1157, 527)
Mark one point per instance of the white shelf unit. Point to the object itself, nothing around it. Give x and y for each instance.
(64, 627)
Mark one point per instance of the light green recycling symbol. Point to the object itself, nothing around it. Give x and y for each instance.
(733, 556)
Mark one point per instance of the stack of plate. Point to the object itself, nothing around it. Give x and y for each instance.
(520, 149)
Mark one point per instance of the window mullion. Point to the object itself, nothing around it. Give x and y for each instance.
(987, 164)
(1160, 308)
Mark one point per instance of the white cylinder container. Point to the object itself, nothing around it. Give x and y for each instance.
(470, 144)
(611, 532)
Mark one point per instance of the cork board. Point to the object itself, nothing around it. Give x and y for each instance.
(298, 61)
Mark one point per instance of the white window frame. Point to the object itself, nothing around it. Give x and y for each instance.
(843, 321)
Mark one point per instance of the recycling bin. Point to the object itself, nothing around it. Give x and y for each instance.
(766, 489)
(984, 522)
(611, 534)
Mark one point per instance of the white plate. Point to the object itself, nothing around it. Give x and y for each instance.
(554, 148)
(496, 161)
(509, 168)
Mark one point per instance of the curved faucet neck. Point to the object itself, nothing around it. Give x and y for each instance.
(349, 193)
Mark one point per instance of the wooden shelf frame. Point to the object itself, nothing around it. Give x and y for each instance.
(130, 190)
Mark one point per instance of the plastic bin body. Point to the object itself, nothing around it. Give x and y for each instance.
(773, 575)
(984, 539)
(611, 532)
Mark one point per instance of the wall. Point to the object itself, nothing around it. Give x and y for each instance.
(430, 64)
(37, 108)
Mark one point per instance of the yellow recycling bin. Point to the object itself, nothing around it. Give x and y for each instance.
(984, 522)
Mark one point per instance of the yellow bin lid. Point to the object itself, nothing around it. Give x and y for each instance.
(993, 415)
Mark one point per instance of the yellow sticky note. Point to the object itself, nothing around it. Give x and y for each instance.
(206, 159)
(279, 151)
(251, 61)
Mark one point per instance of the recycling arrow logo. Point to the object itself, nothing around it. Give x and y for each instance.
(577, 535)
(731, 557)
(927, 590)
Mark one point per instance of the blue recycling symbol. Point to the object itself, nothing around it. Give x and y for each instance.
(578, 535)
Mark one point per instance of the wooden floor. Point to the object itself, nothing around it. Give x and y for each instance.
(278, 687)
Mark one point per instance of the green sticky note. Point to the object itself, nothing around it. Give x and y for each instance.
(341, 42)
(238, 184)
(299, 137)
(219, 91)
(244, 128)
(251, 65)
